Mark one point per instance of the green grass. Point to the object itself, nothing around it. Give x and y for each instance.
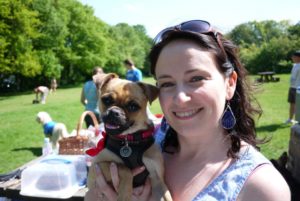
(273, 100)
(21, 137)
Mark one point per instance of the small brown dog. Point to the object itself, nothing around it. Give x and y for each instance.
(129, 138)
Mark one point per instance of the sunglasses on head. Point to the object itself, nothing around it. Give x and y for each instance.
(197, 26)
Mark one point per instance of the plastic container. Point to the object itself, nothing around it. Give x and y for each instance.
(55, 176)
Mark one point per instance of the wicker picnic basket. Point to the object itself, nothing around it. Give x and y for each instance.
(75, 145)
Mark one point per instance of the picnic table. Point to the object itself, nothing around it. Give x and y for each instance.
(11, 189)
(267, 76)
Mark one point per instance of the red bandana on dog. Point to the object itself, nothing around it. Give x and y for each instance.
(100, 145)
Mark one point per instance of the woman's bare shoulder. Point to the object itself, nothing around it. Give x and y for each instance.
(265, 184)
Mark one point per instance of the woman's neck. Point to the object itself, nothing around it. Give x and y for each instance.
(203, 146)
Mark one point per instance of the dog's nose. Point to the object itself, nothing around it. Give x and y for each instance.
(116, 112)
(114, 116)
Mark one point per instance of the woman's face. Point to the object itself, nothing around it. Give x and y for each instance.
(192, 89)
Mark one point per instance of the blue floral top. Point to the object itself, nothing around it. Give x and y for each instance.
(228, 185)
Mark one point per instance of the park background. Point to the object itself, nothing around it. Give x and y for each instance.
(45, 39)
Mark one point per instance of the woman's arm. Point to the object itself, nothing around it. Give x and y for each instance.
(101, 189)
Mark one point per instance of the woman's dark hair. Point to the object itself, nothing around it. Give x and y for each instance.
(242, 100)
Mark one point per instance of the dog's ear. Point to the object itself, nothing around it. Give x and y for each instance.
(38, 119)
(43, 117)
(102, 79)
(150, 91)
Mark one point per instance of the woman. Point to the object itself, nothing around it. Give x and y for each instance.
(210, 144)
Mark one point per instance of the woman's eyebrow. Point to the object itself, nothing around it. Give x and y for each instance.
(163, 76)
(190, 71)
(193, 70)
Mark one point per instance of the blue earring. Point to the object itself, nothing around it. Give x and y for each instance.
(164, 125)
(228, 120)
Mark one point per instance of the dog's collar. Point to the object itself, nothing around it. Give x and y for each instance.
(131, 150)
(131, 138)
(137, 136)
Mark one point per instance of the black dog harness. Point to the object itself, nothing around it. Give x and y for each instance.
(130, 148)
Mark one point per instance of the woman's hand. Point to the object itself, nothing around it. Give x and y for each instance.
(105, 192)
(102, 191)
(141, 193)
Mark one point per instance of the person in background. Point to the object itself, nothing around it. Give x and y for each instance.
(53, 85)
(43, 92)
(294, 83)
(209, 147)
(89, 98)
(133, 74)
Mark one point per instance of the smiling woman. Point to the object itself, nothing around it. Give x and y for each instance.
(210, 134)
(191, 94)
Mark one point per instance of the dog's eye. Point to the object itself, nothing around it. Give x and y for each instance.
(107, 100)
(132, 106)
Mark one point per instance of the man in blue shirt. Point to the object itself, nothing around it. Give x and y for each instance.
(133, 74)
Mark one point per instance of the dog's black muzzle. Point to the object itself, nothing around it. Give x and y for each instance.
(115, 120)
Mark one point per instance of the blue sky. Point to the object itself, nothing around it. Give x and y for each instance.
(222, 14)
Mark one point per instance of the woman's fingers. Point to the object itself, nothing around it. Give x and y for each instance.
(103, 188)
(100, 180)
(114, 176)
(138, 190)
(142, 193)
(138, 170)
(147, 188)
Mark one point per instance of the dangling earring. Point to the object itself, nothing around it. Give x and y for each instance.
(164, 125)
(228, 120)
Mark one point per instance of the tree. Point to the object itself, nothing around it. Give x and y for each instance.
(272, 56)
(244, 34)
(145, 42)
(128, 42)
(53, 29)
(51, 65)
(258, 33)
(294, 35)
(19, 26)
(265, 45)
(86, 43)
(294, 30)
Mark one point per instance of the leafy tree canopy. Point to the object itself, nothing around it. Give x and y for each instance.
(45, 39)
(266, 45)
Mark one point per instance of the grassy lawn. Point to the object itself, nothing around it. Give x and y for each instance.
(273, 100)
(21, 137)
